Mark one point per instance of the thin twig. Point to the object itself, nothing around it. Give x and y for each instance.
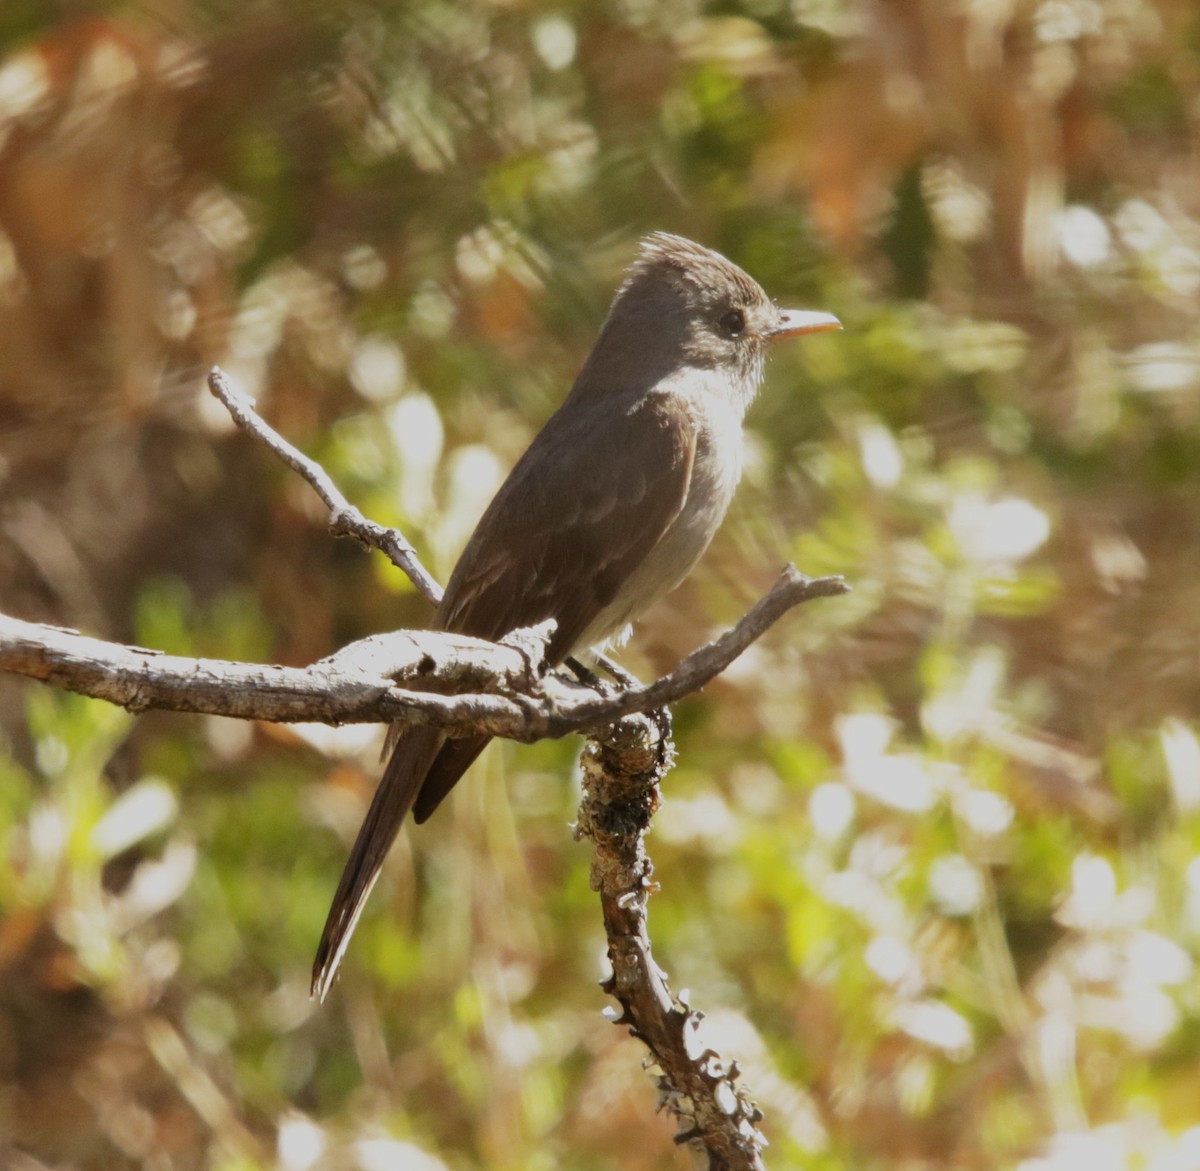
(705, 663)
(344, 518)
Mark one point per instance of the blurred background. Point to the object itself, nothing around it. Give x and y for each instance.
(931, 854)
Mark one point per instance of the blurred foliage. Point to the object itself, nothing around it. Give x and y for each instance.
(931, 855)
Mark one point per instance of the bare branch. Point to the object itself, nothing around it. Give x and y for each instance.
(621, 772)
(344, 518)
(352, 686)
(462, 684)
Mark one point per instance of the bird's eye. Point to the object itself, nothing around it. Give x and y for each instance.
(734, 323)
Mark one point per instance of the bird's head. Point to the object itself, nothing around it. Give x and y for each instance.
(685, 306)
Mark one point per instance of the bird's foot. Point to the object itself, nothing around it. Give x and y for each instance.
(622, 678)
(584, 674)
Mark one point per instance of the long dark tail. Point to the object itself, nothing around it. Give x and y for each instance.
(455, 757)
(416, 749)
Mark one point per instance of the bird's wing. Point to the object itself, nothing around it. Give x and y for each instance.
(578, 514)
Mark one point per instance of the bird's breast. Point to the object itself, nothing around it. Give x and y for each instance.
(716, 470)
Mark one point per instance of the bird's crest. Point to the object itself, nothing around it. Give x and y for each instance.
(662, 253)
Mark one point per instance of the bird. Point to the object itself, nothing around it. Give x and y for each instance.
(609, 509)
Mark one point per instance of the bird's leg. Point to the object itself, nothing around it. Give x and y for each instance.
(585, 675)
(624, 679)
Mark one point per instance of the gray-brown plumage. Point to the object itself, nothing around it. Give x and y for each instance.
(610, 508)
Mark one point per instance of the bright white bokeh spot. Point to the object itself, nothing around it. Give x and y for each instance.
(299, 1143)
(725, 1031)
(831, 809)
(1084, 236)
(345, 742)
(706, 817)
(881, 457)
(258, 325)
(1144, 1015)
(517, 1044)
(417, 434)
(891, 959)
(377, 369)
(956, 885)
(227, 738)
(1003, 530)
(474, 474)
(478, 256)
(961, 210)
(900, 782)
(47, 833)
(23, 84)
(385, 1154)
(985, 812)
(938, 1025)
(863, 736)
(1179, 269)
(220, 219)
(143, 809)
(1092, 902)
(175, 316)
(52, 755)
(1182, 752)
(1079, 1151)
(363, 268)
(157, 883)
(971, 704)
(1155, 959)
(1183, 1156)
(1096, 960)
(1067, 20)
(1163, 367)
(554, 41)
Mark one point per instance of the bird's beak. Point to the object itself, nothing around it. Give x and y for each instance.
(796, 322)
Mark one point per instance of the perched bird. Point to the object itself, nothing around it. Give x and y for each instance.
(609, 509)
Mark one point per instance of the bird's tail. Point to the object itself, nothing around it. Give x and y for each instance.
(414, 752)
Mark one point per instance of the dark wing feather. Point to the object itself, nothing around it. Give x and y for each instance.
(590, 498)
(455, 757)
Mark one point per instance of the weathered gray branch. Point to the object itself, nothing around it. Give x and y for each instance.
(621, 775)
(509, 696)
